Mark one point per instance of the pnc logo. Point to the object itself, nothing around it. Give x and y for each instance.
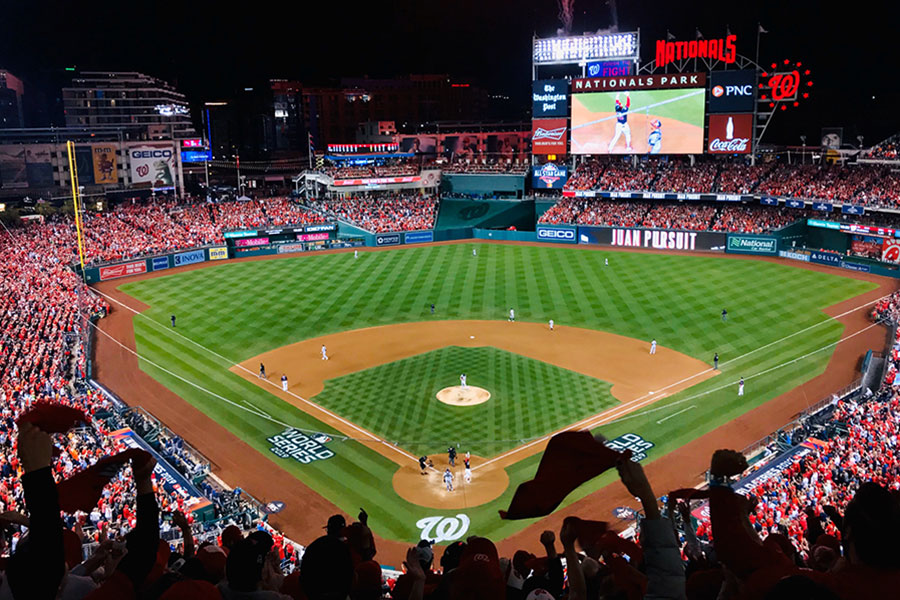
(717, 91)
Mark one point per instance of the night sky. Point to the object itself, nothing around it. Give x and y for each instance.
(211, 49)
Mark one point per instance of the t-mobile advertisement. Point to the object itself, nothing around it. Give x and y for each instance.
(730, 134)
(656, 239)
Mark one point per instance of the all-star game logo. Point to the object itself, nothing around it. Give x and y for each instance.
(550, 174)
(303, 448)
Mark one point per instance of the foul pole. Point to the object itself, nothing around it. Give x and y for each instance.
(73, 177)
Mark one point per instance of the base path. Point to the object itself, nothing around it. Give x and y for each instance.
(624, 362)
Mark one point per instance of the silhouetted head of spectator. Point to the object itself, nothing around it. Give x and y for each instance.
(426, 554)
(231, 536)
(798, 586)
(872, 528)
(336, 525)
(478, 575)
(326, 572)
(244, 564)
(451, 556)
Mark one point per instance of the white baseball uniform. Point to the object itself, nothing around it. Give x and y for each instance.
(512, 315)
(284, 383)
(467, 475)
(462, 381)
(741, 387)
(653, 347)
(551, 324)
(606, 261)
(448, 480)
(324, 353)
(356, 254)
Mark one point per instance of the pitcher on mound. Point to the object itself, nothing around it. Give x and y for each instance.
(622, 123)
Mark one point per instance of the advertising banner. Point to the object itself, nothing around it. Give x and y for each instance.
(609, 68)
(890, 250)
(160, 262)
(801, 255)
(732, 91)
(84, 163)
(106, 170)
(195, 156)
(508, 145)
(123, 270)
(550, 98)
(752, 244)
(659, 239)
(866, 245)
(549, 136)
(39, 165)
(387, 239)
(832, 137)
(664, 121)
(376, 181)
(220, 253)
(822, 257)
(12, 167)
(244, 242)
(189, 258)
(795, 203)
(153, 163)
(730, 134)
(312, 237)
(419, 144)
(303, 448)
(852, 209)
(662, 81)
(823, 206)
(326, 227)
(290, 248)
(418, 237)
(768, 201)
(566, 235)
(855, 267)
(549, 176)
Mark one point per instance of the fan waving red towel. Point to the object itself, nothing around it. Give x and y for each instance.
(53, 418)
(571, 458)
(82, 490)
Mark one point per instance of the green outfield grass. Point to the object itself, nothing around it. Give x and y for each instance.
(397, 402)
(670, 104)
(239, 310)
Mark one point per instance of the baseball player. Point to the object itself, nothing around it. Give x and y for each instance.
(448, 479)
(551, 324)
(462, 381)
(423, 462)
(284, 383)
(606, 262)
(451, 456)
(324, 353)
(741, 387)
(467, 474)
(432, 308)
(654, 140)
(173, 320)
(262, 371)
(512, 316)
(724, 315)
(716, 361)
(356, 254)
(474, 253)
(622, 123)
(653, 347)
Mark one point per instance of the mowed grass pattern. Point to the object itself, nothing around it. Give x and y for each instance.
(239, 310)
(529, 398)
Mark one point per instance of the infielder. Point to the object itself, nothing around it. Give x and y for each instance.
(324, 353)
(653, 347)
(448, 479)
(512, 315)
(262, 371)
(356, 254)
(284, 383)
(173, 320)
(716, 361)
(467, 474)
(741, 387)
(462, 381)
(654, 140)
(423, 461)
(622, 123)
(551, 324)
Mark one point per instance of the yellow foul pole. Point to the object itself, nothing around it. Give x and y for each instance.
(73, 176)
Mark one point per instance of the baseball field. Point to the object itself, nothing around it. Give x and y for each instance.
(349, 430)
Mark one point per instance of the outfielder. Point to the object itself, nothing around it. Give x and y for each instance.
(622, 123)
(324, 353)
(653, 347)
(741, 387)
(284, 383)
(654, 140)
(512, 316)
(606, 262)
(551, 324)
(356, 254)
(474, 253)
(462, 381)
(448, 479)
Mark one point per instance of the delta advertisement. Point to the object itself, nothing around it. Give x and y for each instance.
(752, 244)
(153, 164)
(656, 239)
(565, 235)
(106, 170)
(549, 176)
(549, 136)
(730, 134)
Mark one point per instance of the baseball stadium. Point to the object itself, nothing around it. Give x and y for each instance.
(406, 366)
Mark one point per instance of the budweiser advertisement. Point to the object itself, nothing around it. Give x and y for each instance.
(730, 134)
(123, 270)
(549, 136)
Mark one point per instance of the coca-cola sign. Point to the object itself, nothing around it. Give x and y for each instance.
(730, 134)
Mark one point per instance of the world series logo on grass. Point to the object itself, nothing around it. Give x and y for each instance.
(305, 449)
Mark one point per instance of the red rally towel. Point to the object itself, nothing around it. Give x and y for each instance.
(53, 418)
(82, 490)
(571, 458)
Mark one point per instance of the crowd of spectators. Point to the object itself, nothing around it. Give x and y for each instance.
(485, 165)
(380, 212)
(889, 149)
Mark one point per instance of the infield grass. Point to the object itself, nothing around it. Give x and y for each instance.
(239, 310)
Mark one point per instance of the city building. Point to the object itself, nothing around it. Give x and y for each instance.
(12, 90)
(127, 99)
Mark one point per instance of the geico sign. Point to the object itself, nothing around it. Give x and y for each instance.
(733, 145)
(151, 154)
(556, 234)
(732, 90)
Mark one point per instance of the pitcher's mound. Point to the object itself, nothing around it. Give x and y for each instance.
(458, 396)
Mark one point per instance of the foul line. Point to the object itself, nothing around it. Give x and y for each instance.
(369, 435)
(683, 410)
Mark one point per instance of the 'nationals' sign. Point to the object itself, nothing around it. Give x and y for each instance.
(662, 81)
(720, 49)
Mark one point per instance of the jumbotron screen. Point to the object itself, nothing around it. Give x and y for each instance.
(638, 122)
